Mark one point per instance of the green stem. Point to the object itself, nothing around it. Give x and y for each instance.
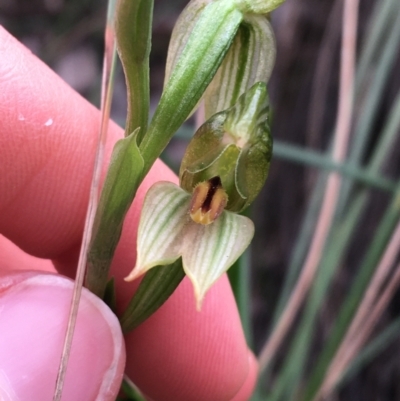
(133, 29)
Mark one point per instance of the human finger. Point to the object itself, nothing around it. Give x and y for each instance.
(34, 314)
(178, 352)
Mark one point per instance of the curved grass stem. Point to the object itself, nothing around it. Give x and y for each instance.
(350, 18)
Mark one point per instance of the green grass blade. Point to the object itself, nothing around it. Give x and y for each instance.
(386, 141)
(378, 29)
(387, 137)
(295, 361)
(349, 307)
(371, 350)
(303, 240)
(365, 123)
(131, 391)
(312, 158)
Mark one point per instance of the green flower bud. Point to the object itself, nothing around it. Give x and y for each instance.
(181, 33)
(250, 58)
(234, 145)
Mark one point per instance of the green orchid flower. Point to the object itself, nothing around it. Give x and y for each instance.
(176, 224)
(236, 145)
(224, 168)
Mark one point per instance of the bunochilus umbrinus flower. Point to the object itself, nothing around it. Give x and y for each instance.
(222, 171)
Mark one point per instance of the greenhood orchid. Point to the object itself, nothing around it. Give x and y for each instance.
(223, 170)
(221, 54)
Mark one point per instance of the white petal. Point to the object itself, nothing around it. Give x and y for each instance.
(164, 214)
(210, 250)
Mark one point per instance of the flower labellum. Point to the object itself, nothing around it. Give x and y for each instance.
(208, 201)
(209, 243)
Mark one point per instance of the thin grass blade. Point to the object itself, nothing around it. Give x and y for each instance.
(106, 99)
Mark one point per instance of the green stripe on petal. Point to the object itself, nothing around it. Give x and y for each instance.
(250, 59)
(163, 217)
(209, 251)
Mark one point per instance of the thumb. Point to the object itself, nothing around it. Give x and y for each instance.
(34, 313)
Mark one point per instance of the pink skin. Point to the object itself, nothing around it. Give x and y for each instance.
(47, 139)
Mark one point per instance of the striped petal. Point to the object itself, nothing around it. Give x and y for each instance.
(209, 251)
(250, 59)
(164, 215)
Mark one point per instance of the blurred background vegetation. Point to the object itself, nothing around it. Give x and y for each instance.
(68, 36)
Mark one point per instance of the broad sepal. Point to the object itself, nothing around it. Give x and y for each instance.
(167, 232)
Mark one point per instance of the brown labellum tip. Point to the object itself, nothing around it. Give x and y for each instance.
(208, 201)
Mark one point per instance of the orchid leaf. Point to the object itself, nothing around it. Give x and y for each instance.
(110, 295)
(133, 22)
(123, 178)
(156, 287)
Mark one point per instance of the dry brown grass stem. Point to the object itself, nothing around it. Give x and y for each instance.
(106, 99)
(323, 70)
(368, 314)
(342, 132)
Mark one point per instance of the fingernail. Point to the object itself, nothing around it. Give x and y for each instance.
(34, 312)
(247, 389)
